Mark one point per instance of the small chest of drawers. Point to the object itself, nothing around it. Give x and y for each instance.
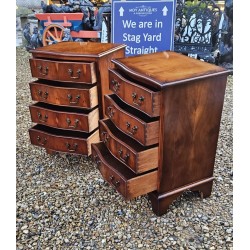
(160, 131)
(72, 78)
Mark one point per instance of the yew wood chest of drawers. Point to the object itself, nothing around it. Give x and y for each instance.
(160, 132)
(72, 78)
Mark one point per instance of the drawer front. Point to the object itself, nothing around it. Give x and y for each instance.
(84, 98)
(60, 141)
(146, 133)
(141, 98)
(120, 177)
(63, 71)
(77, 72)
(138, 158)
(43, 69)
(55, 117)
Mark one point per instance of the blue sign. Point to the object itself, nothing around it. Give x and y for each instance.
(144, 26)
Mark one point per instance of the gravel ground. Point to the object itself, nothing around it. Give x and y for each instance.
(63, 203)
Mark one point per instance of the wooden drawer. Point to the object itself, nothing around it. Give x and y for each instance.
(83, 72)
(139, 97)
(119, 176)
(64, 117)
(137, 157)
(132, 122)
(73, 94)
(73, 142)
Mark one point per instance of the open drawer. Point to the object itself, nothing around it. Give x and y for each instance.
(60, 140)
(127, 183)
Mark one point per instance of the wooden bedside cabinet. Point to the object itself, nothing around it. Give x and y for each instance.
(162, 126)
(72, 80)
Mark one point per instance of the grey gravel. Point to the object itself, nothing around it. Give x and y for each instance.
(62, 201)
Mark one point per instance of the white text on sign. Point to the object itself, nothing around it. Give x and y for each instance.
(144, 37)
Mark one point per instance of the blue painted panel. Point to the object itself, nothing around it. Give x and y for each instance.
(144, 26)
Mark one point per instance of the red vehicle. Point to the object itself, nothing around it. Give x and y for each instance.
(55, 25)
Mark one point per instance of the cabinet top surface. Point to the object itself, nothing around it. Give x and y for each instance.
(166, 68)
(76, 50)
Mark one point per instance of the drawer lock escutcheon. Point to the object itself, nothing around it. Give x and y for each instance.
(138, 101)
(46, 70)
(110, 112)
(113, 181)
(71, 73)
(116, 85)
(43, 95)
(123, 158)
(72, 126)
(76, 99)
(97, 161)
(105, 137)
(74, 147)
(40, 117)
(133, 130)
(39, 140)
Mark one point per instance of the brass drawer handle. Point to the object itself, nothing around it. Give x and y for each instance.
(110, 112)
(72, 126)
(113, 181)
(140, 100)
(40, 117)
(70, 99)
(43, 95)
(125, 158)
(105, 137)
(74, 147)
(133, 130)
(116, 85)
(39, 140)
(71, 73)
(46, 70)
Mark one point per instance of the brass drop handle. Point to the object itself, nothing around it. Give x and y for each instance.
(111, 112)
(133, 130)
(39, 140)
(125, 158)
(105, 137)
(43, 95)
(72, 126)
(113, 181)
(71, 73)
(74, 147)
(140, 99)
(76, 99)
(116, 85)
(40, 117)
(46, 70)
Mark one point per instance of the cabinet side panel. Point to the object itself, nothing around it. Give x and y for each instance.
(190, 121)
(104, 64)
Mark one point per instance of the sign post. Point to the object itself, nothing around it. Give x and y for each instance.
(144, 26)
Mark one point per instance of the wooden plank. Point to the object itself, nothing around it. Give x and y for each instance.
(85, 34)
(59, 16)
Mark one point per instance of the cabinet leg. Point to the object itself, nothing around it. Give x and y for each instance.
(50, 151)
(204, 189)
(160, 204)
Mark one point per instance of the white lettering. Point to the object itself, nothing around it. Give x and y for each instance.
(142, 50)
(152, 38)
(158, 24)
(128, 24)
(131, 38)
(145, 25)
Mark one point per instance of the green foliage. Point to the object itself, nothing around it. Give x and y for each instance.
(195, 5)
